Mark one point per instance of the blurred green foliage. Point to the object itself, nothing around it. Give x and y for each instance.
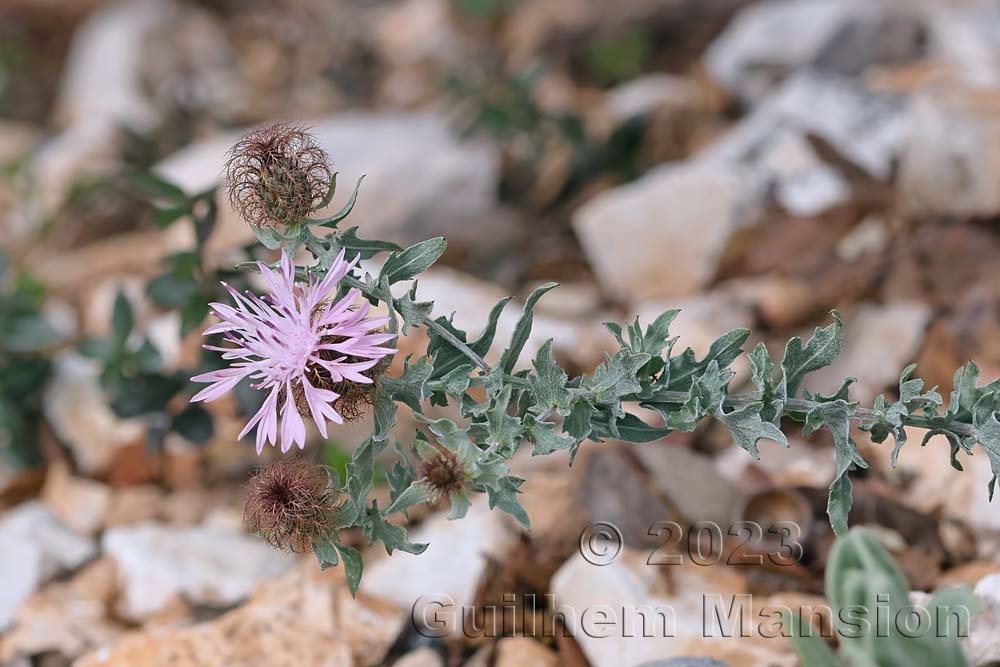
(616, 59)
(484, 8)
(870, 600)
(133, 374)
(505, 108)
(25, 336)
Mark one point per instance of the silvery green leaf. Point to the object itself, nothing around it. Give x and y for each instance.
(864, 580)
(652, 341)
(548, 383)
(332, 220)
(418, 492)
(330, 191)
(414, 260)
(446, 357)
(988, 429)
(270, 238)
(544, 436)
(414, 312)
(836, 417)
(361, 471)
(473, 409)
(389, 534)
(657, 335)
(616, 331)
(706, 392)
(900, 437)
(821, 350)
(488, 474)
(363, 248)
(627, 428)
(888, 419)
(347, 516)
(455, 438)
(710, 387)
(685, 367)
(353, 566)
(842, 393)
(909, 390)
(616, 378)
(578, 423)
(966, 393)
(769, 391)
(326, 553)
(385, 414)
(411, 387)
(424, 450)
(523, 328)
(494, 381)
(504, 496)
(504, 431)
(838, 504)
(460, 504)
(811, 649)
(955, 441)
(400, 475)
(747, 427)
(455, 383)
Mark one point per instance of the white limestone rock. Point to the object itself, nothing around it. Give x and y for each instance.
(663, 235)
(207, 565)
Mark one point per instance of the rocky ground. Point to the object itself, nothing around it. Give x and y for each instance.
(753, 163)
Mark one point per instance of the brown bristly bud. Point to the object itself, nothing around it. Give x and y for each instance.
(278, 175)
(443, 474)
(290, 504)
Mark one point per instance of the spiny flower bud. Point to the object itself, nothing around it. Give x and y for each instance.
(277, 176)
(353, 398)
(291, 503)
(444, 474)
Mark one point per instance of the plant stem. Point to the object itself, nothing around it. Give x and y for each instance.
(800, 406)
(792, 408)
(456, 343)
(430, 323)
(316, 247)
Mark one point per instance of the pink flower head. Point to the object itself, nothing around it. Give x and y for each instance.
(297, 346)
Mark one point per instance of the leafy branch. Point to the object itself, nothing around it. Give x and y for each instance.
(500, 406)
(547, 408)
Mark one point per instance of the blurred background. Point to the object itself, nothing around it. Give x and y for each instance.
(755, 163)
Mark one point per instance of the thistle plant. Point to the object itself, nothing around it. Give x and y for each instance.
(308, 344)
